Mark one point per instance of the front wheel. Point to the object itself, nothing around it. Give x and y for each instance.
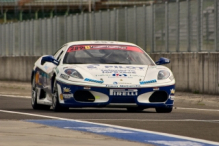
(55, 100)
(164, 110)
(34, 103)
(34, 95)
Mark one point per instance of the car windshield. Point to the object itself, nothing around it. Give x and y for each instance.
(106, 54)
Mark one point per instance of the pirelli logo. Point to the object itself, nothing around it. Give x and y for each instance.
(123, 92)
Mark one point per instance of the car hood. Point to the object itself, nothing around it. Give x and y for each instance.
(115, 74)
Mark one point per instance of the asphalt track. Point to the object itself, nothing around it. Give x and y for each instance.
(193, 121)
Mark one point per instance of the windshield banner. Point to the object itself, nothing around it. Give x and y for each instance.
(103, 47)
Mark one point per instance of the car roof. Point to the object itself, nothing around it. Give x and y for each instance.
(100, 42)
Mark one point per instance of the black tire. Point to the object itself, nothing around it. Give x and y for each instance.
(55, 100)
(135, 109)
(34, 103)
(164, 110)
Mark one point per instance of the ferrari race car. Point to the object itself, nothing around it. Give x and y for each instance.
(102, 74)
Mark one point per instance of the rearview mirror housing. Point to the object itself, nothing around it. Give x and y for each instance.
(49, 58)
(163, 60)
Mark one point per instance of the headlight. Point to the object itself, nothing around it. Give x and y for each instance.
(163, 74)
(73, 73)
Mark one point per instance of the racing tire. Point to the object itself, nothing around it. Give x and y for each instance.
(164, 110)
(34, 103)
(55, 100)
(135, 109)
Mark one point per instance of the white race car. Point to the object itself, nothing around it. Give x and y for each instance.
(102, 74)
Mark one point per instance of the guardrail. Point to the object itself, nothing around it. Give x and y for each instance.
(189, 26)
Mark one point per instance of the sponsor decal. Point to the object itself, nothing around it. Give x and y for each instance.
(113, 86)
(66, 77)
(119, 75)
(37, 78)
(76, 48)
(108, 47)
(87, 47)
(129, 86)
(67, 96)
(156, 89)
(92, 80)
(147, 82)
(104, 75)
(41, 78)
(115, 83)
(61, 96)
(47, 68)
(136, 76)
(118, 71)
(123, 83)
(66, 90)
(124, 67)
(172, 91)
(93, 66)
(123, 92)
(172, 97)
(123, 86)
(67, 93)
(87, 88)
(97, 97)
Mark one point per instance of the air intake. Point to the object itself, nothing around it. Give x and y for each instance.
(158, 96)
(83, 96)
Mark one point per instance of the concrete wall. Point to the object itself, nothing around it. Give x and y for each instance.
(194, 72)
(16, 68)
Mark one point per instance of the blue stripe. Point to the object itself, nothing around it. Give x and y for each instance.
(92, 80)
(130, 135)
(146, 82)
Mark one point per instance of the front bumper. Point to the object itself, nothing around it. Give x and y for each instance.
(116, 97)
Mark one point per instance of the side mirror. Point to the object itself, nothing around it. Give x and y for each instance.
(163, 60)
(49, 58)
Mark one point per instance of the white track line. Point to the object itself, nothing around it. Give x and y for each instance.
(153, 120)
(212, 110)
(18, 96)
(114, 126)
